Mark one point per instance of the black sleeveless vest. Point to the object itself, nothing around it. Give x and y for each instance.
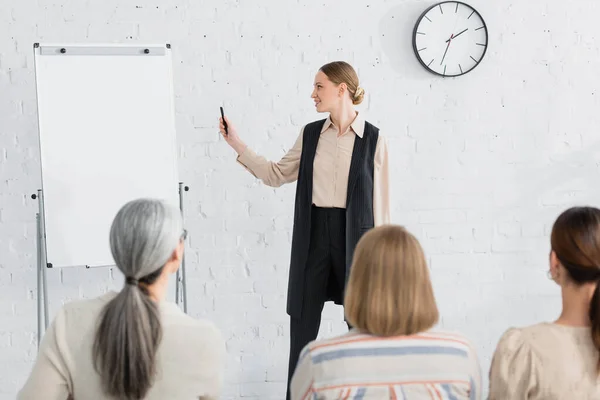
(359, 206)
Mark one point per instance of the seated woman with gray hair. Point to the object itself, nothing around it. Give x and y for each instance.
(132, 344)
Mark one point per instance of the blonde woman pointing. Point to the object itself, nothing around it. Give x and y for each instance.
(340, 164)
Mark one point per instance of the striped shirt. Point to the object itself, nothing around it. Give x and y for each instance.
(428, 365)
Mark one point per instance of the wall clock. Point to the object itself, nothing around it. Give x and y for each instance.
(450, 38)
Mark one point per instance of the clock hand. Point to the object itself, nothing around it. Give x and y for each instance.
(457, 35)
(447, 41)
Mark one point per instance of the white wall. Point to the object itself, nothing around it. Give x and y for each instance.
(482, 164)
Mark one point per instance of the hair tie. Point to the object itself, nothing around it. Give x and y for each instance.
(580, 273)
(130, 280)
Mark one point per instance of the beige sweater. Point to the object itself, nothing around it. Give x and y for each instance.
(545, 361)
(190, 357)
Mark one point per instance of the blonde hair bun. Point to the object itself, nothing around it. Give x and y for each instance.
(359, 95)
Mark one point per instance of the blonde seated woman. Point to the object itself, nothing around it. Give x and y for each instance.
(132, 344)
(559, 360)
(392, 351)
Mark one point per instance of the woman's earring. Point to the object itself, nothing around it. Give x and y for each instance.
(550, 276)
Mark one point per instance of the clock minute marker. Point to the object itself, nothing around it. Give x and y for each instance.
(442, 11)
(455, 11)
(430, 20)
(481, 27)
(461, 71)
(471, 14)
(474, 59)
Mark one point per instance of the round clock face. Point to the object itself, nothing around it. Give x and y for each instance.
(450, 38)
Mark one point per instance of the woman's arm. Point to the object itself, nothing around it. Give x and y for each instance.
(381, 183)
(270, 173)
(49, 376)
(513, 373)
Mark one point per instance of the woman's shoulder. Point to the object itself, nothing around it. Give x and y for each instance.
(348, 338)
(447, 338)
(544, 335)
(444, 335)
(189, 338)
(521, 342)
(371, 125)
(514, 337)
(533, 333)
(174, 317)
(314, 126)
(76, 318)
(82, 309)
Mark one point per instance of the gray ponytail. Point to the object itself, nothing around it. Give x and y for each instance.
(143, 236)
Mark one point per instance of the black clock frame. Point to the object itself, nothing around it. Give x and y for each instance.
(414, 37)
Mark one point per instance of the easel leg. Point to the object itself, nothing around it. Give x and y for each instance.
(177, 278)
(183, 284)
(45, 291)
(44, 256)
(39, 281)
(183, 280)
(42, 284)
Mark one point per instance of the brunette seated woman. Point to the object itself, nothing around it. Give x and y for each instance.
(559, 359)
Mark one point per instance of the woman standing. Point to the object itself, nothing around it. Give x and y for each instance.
(341, 167)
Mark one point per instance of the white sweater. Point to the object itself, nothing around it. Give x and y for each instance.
(190, 357)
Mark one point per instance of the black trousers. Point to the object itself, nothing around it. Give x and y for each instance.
(325, 275)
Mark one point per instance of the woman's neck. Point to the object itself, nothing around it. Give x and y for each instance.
(576, 305)
(158, 290)
(343, 118)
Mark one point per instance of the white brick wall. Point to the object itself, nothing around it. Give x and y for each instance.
(481, 164)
